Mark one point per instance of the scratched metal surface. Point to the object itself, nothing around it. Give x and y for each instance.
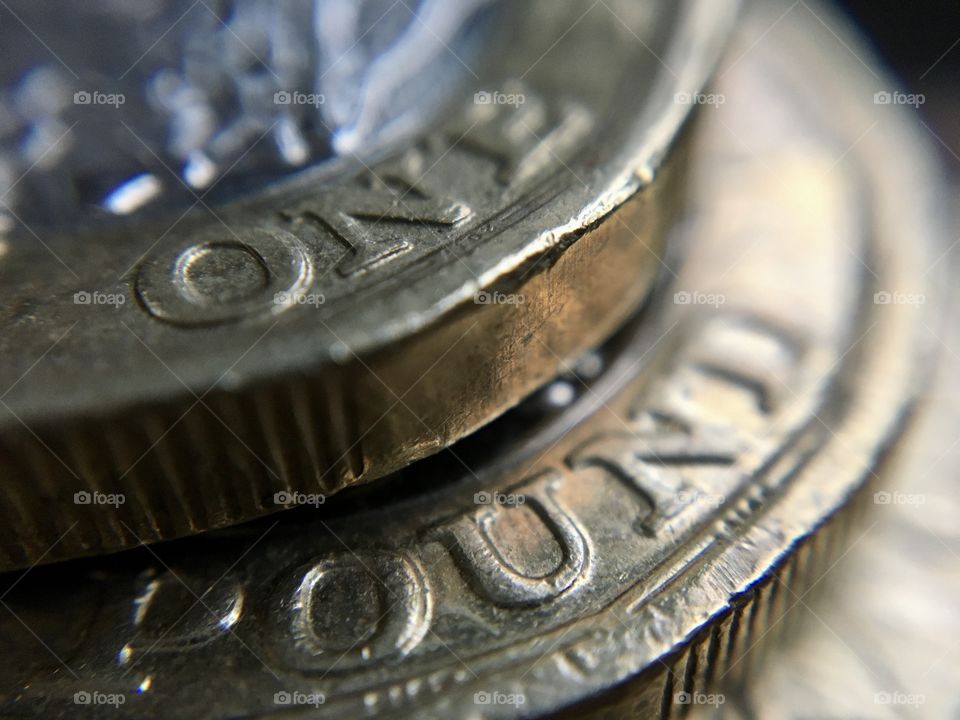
(352, 319)
(622, 549)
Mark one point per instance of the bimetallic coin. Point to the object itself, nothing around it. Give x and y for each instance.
(359, 316)
(613, 557)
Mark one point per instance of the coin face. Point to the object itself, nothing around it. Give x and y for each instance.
(359, 316)
(215, 98)
(616, 555)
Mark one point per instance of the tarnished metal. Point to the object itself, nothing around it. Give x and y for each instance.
(355, 318)
(615, 546)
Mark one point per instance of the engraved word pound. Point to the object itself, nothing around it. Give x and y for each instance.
(705, 414)
(508, 579)
(350, 610)
(168, 617)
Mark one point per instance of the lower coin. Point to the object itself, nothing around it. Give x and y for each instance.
(877, 637)
(620, 546)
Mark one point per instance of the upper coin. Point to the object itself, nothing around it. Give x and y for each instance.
(366, 312)
(155, 102)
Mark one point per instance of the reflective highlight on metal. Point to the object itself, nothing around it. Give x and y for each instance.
(609, 557)
(336, 328)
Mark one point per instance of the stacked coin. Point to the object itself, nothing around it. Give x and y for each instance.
(329, 330)
(566, 398)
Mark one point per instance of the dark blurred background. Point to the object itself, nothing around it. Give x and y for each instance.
(920, 41)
